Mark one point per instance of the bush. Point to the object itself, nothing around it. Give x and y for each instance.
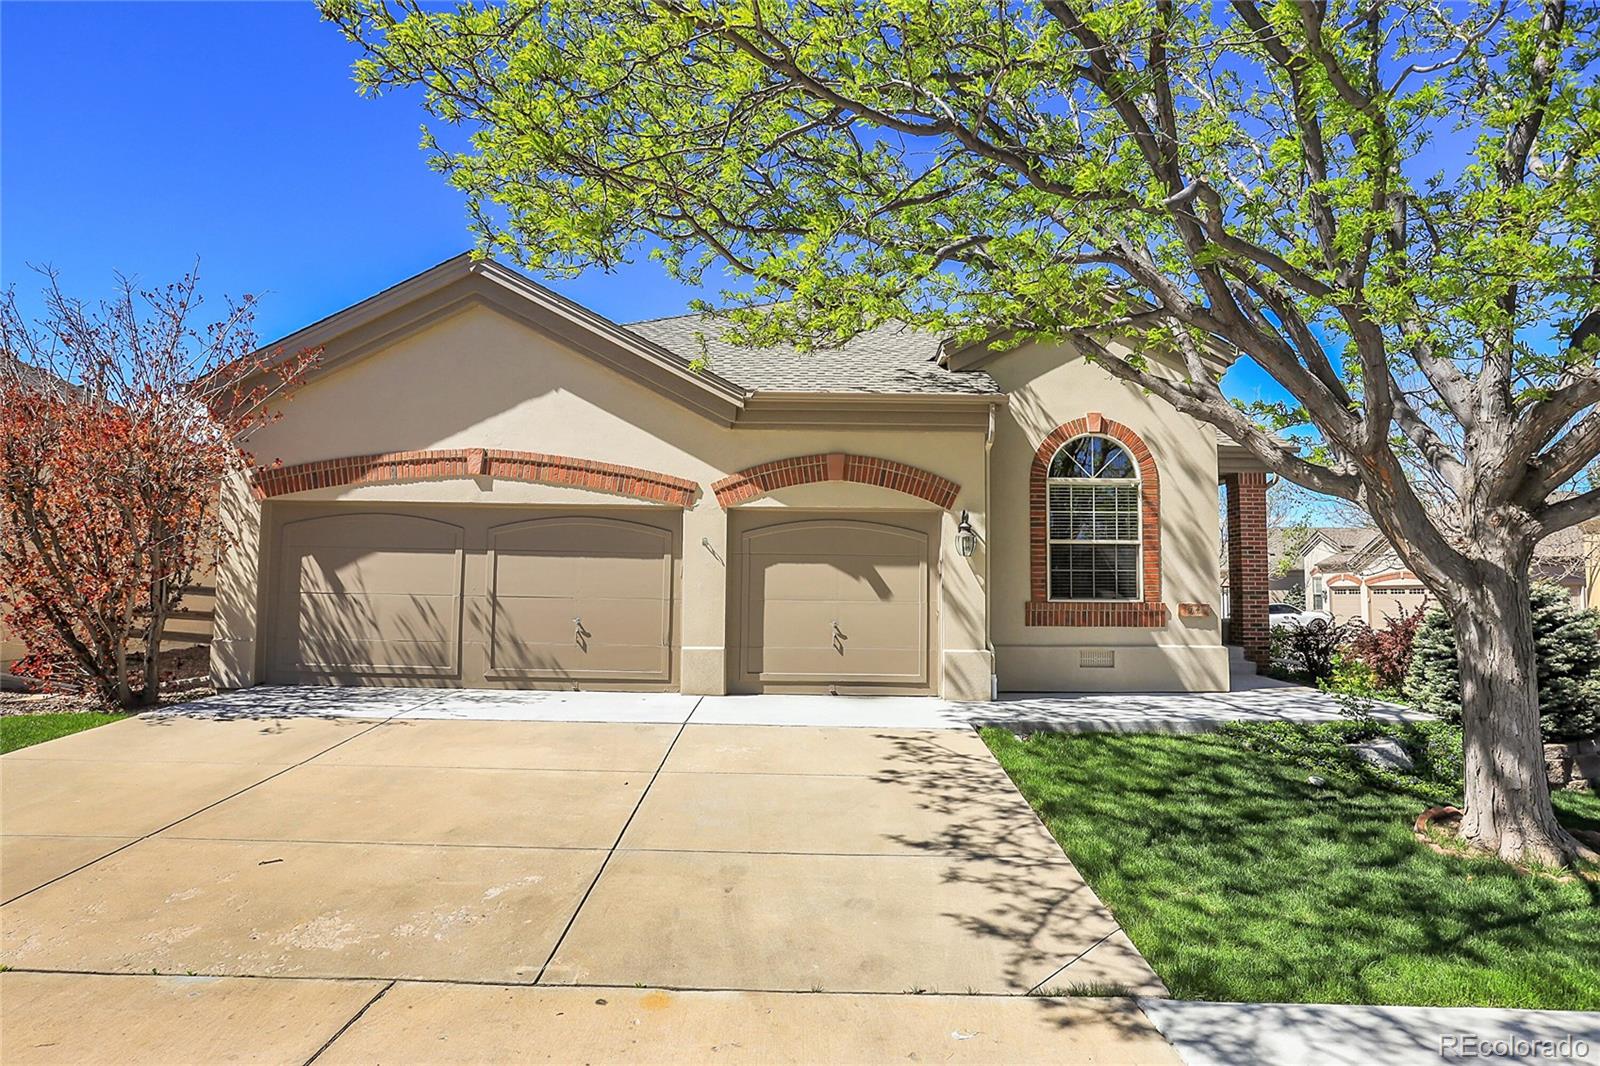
(1353, 677)
(1387, 651)
(1306, 652)
(1567, 647)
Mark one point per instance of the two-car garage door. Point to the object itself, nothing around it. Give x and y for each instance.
(474, 596)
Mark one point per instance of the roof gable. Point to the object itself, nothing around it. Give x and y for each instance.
(1340, 539)
(379, 321)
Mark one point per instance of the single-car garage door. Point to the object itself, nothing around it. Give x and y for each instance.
(477, 596)
(833, 603)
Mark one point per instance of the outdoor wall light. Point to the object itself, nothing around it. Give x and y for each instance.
(966, 536)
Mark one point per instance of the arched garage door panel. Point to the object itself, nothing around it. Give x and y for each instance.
(834, 603)
(580, 598)
(369, 593)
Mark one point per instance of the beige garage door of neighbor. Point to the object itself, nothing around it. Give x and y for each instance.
(474, 596)
(1391, 601)
(833, 603)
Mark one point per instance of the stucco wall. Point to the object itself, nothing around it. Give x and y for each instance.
(1052, 385)
(11, 649)
(1315, 554)
(481, 380)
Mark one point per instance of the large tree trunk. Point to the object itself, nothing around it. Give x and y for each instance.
(1507, 795)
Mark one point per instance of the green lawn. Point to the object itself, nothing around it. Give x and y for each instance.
(1241, 880)
(22, 730)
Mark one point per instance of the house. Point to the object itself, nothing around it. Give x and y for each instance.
(486, 485)
(1333, 545)
(1354, 574)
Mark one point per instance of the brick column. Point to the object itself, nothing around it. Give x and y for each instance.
(1247, 562)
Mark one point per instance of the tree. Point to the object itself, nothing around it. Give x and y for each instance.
(1390, 208)
(118, 426)
(1567, 648)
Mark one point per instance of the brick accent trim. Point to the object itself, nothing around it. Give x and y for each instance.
(1040, 610)
(534, 467)
(759, 480)
(1248, 590)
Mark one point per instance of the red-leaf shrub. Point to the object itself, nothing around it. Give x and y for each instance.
(117, 426)
(1387, 650)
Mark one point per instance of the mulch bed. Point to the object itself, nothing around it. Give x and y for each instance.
(1445, 822)
(185, 676)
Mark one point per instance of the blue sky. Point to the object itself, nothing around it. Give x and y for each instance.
(139, 136)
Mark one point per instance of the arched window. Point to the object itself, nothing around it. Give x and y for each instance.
(1094, 529)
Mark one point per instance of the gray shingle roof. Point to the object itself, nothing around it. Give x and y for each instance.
(31, 377)
(1349, 538)
(890, 359)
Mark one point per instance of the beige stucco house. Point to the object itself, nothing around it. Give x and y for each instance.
(486, 485)
(1354, 574)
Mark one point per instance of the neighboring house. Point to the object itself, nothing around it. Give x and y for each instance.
(486, 485)
(1354, 574)
(1591, 563)
(1333, 546)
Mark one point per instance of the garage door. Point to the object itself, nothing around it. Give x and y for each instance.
(583, 598)
(834, 605)
(370, 593)
(477, 596)
(1391, 601)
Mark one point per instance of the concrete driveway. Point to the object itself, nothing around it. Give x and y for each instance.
(353, 881)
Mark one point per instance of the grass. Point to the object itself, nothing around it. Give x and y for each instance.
(1240, 879)
(1092, 989)
(24, 730)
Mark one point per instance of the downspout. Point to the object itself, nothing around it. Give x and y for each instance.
(988, 589)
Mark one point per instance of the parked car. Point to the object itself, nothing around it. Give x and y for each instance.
(1287, 614)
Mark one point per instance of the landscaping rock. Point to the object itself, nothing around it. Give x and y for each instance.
(1575, 765)
(1385, 753)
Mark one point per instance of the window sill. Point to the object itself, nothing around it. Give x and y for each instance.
(1111, 614)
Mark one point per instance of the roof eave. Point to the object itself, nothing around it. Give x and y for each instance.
(872, 410)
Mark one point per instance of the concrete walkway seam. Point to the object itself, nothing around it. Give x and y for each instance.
(356, 1017)
(608, 986)
(613, 850)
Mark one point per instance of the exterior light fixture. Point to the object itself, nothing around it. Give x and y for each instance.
(966, 536)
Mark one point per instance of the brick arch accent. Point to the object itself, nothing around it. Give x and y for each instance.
(835, 466)
(1149, 612)
(534, 467)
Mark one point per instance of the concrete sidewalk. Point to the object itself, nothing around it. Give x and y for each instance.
(1266, 1034)
(1256, 700)
(63, 1019)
